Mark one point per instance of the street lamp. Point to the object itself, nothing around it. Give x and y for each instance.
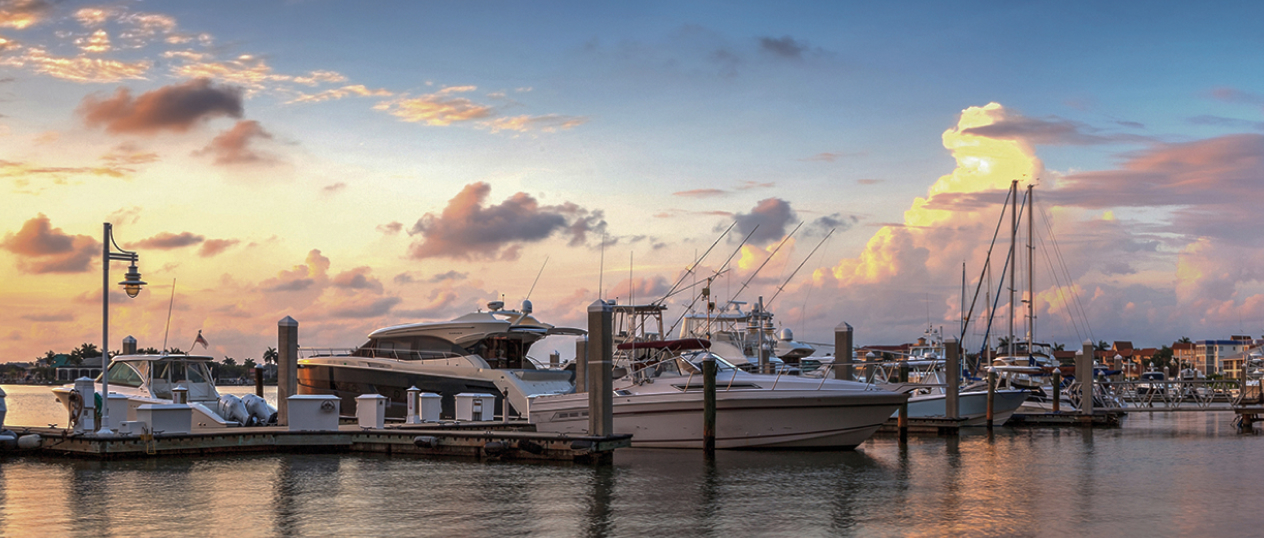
(131, 285)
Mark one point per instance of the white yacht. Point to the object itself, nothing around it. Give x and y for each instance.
(660, 403)
(481, 352)
(149, 379)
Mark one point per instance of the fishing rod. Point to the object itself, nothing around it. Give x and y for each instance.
(722, 268)
(766, 260)
(796, 269)
(690, 270)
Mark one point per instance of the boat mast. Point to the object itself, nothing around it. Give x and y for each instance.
(1031, 272)
(1013, 262)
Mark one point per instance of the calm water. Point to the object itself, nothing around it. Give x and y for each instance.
(1162, 475)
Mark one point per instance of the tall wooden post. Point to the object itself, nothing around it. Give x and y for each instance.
(287, 367)
(129, 345)
(903, 421)
(1084, 372)
(708, 405)
(600, 356)
(581, 364)
(1057, 390)
(991, 397)
(952, 378)
(842, 351)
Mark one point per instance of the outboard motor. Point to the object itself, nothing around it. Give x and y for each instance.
(260, 411)
(231, 408)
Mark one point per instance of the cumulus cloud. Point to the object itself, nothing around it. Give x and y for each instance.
(450, 275)
(359, 278)
(212, 247)
(301, 277)
(783, 47)
(1049, 131)
(176, 108)
(771, 215)
(43, 249)
(235, 146)
(467, 229)
(167, 241)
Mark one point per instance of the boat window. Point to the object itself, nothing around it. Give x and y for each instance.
(124, 375)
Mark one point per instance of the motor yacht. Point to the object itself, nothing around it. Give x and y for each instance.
(737, 335)
(659, 402)
(481, 352)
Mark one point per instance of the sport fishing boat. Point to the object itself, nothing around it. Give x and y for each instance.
(737, 335)
(150, 379)
(660, 403)
(484, 352)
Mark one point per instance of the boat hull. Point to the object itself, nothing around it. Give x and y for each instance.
(971, 406)
(757, 419)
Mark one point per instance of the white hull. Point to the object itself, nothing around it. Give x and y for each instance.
(803, 419)
(971, 406)
(204, 416)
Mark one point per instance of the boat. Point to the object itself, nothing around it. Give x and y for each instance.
(659, 401)
(483, 352)
(150, 379)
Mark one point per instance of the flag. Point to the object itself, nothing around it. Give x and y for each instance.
(201, 340)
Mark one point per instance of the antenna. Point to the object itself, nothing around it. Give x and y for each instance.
(170, 304)
(602, 274)
(537, 277)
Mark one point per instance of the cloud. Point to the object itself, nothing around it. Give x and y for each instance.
(301, 277)
(176, 108)
(213, 247)
(1236, 96)
(830, 157)
(869, 181)
(128, 215)
(334, 188)
(47, 318)
(98, 42)
(701, 193)
(43, 249)
(439, 109)
(20, 14)
(784, 47)
(77, 69)
(466, 229)
(1050, 131)
(391, 228)
(450, 275)
(548, 123)
(127, 154)
(234, 146)
(771, 215)
(340, 93)
(167, 241)
(357, 279)
(1232, 123)
(835, 221)
(364, 308)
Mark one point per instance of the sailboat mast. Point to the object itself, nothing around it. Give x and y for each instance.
(1031, 272)
(1013, 261)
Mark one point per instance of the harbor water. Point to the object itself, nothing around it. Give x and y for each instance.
(1162, 474)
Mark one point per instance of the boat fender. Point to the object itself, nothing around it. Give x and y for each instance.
(426, 441)
(581, 445)
(530, 447)
(29, 441)
(494, 447)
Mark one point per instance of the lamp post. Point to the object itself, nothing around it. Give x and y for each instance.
(131, 285)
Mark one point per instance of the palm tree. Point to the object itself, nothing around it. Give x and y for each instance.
(1185, 340)
(1102, 345)
(270, 356)
(1058, 347)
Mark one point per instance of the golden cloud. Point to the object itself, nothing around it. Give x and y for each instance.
(439, 108)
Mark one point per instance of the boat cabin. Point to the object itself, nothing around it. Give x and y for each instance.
(158, 374)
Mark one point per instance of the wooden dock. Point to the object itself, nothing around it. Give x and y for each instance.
(1065, 419)
(925, 426)
(487, 441)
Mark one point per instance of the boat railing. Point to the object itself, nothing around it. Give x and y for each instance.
(398, 354)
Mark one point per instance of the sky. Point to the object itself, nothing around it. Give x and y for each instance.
(358, 165)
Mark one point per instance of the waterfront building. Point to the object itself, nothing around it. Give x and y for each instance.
(1209, 356)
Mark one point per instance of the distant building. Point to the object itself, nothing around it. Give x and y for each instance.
(1183, 354)
(1210, 356)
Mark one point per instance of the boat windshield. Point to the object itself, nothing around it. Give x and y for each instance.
(122, 374)
(685, 365)
(193, 375)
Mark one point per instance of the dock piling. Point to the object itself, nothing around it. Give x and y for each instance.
(991, 398)
(708, 405)
(600, 356)
(287, 366)
(903, 421)
(842, 351)
(952, 378)
(1084, 373)
(1057, 390)
(129, 345)
(581, 364)
(259, 381)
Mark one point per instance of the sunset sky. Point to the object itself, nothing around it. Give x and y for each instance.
(356, 165)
